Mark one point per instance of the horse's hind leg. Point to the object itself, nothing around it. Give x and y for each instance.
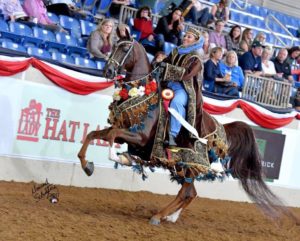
(172, 211)
(88, 167)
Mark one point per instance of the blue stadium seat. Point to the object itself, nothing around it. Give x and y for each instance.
(72, 24)
(53, 17)
(254, 9)
(44, 34)
(104, 7)
(87, 27)
(3, 26)
(136, 34)
(168, 47)
(263, 12)
(159, 6)
(214, 1)
(270, 38)
(88, 63)
(13, 46)
(234, 16)
(150, 57)
(66, 39)
(64, 58)
(100, 64)
(38, 52)
(5, 40)
(89, 5)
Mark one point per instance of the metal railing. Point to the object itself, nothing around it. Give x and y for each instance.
(267, 20)
(266, 91)
(236, 3)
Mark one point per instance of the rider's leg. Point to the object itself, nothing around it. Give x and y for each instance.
(178, 103)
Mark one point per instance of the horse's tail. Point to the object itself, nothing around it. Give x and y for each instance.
(246, 166)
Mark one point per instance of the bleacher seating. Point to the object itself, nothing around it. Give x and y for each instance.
(61, 57)
(13, 46)
(85, 62)
(38, 52)
(71, 24)
(86, 27)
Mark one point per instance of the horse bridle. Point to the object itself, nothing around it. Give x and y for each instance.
(118, 65)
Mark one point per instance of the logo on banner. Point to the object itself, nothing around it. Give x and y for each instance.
(55, 128)
(29, 122)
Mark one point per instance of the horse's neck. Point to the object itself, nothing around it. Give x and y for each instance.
(140, 69)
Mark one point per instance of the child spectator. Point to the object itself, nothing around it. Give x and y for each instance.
(100, 42)
(169, 27)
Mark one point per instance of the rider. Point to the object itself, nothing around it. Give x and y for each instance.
(183, 73)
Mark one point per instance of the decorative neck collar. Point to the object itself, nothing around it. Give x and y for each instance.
(188, 49)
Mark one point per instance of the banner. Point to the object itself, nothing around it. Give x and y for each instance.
(47, 122)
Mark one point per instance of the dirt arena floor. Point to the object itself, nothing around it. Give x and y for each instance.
(99, 214)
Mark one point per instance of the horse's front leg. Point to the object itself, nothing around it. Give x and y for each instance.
(172, 211)
(87, 166)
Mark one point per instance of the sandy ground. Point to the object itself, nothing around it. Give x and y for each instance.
(100, 214)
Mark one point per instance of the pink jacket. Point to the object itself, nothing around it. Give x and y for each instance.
(37, 9)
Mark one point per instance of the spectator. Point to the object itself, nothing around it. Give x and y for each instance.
(158, 58)
(268, 66)
(246, 42)
(204, 51)
(230, 67)
(216, 38)
(169, 28)
(100, 42)
(37, 10)
(143, 23)
(115, 7)
(260, 37)
(235, 38)
(13, 11)
(220, 11)
(212, 72)
(194, 12)
(296, 72)
(250, 61)
(65, 7)
(293, 54)
(282, 67)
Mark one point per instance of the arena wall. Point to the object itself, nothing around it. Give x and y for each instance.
(65, 119)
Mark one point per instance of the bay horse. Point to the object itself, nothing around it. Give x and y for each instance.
(245, 161)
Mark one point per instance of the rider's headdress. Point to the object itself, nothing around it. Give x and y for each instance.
(195, 32)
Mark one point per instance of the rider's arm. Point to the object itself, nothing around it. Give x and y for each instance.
(193, 69)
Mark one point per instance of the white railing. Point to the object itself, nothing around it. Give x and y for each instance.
(266, 91)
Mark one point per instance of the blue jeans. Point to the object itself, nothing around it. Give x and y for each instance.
(178, 103)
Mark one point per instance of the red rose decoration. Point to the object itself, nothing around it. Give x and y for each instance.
(124, 94)
(148, 90)
(153, 86)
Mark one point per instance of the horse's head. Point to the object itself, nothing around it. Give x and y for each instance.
(121, 59)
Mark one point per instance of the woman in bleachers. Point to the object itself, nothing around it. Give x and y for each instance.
(13, 11)
(236, 76)
(204, 51)
(148, 38)
(235, 38)
(267, 65)
(100, 42)
(246, 42)
(36, 9)
(261, 37)
(169, 28)
(220, 11)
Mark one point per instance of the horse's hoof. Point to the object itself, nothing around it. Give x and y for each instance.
(89, 168)
(154, 221)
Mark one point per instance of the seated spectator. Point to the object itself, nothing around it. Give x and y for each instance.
(158, 58)
(250, 61)
(246, 42)
(100, 42)
(212, 72)
(268, 66)
(65, 7)
(115, 7)
(282, 67)
(260, 37)
(230, 67)
(235, 38)
(194, 12)
(37, 10)
(293, 54)
(148, 38)
(296, 72)
(216, 38)
(13, 11)
(204, 51)
(123, 32)
(220, 11)
(169, 28)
